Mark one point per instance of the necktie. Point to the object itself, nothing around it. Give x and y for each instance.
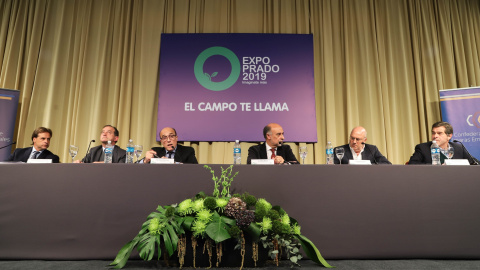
(34, 154)
(273, 153)
(170, 154)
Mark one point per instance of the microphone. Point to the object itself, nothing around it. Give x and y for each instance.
(8, 145)
(475, 161)
(370, 151)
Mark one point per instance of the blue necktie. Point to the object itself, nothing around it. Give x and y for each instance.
(170, 154)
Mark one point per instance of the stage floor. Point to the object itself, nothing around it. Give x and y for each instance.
(306, 264)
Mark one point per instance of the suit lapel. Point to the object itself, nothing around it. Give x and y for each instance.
(263, 151)
(178, 154)
(280, 152)
(365, 153)
(115, 154)
(348, 154)
(26, 154)
(97, 156)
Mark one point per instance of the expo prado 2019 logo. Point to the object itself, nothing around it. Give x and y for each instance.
(205, 79)
(254, 69)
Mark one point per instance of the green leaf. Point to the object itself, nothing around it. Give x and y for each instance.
(228, 220)
(214, 74)
(217, 231)
(173, 235)
(168, 243)
(124, 254)
(187, 223)
(293, 259)
(312, 251)
(159, 248)
(254, 231)
(146, 246)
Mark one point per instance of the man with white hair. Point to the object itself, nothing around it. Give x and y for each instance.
(357, 149)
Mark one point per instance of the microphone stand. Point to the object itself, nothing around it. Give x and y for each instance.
(475, 161)
(370, 151)
(88, 150)
(8, 145)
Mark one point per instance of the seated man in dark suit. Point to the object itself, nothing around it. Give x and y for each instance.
(171, 149)
(97, 153)
(357, 149)
(273, 148)
(40, 141)
(442, 132)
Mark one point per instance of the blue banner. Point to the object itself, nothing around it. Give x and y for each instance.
(461, 108)
(8, 116)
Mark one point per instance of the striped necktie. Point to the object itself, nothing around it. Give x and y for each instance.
(34, 154)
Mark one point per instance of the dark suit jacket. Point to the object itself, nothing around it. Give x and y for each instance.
(422, 154)
(370, 152)
(96, 154)
(260, 152)
(183, 154)
(22, 154)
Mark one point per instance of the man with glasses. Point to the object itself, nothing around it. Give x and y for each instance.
(97, 153)
(170, 149)
(357, 149)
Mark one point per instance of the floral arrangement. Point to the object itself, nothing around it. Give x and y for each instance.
(215, 219)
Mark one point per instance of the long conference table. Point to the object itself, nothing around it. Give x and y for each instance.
(89, 211)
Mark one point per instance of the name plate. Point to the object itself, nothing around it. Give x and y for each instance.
(457, 162)
(39, 160)
(263, 162)
(162, 161)
(359, 162)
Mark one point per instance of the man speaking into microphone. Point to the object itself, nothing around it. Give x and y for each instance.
(357, 149)
(273, 148)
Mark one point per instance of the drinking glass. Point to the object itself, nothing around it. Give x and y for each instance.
(340, 152)
(138, 151)
(73, 151)
(303, 152)
(449, 152)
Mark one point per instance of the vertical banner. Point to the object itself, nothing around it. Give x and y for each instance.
(226, 87)
(461, 108)
(8, 116)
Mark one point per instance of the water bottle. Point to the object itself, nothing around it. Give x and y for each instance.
(237, 153)
(329, 153)
(435, 150)
(108, 152)
(130, 151)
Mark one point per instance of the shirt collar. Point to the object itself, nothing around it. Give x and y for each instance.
(34, 149)
(355, 155)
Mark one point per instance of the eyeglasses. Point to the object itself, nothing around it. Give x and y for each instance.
(356, 139)
(171, 137)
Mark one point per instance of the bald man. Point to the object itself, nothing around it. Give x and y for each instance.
(170, 149)
(273, 148)
(357, 149)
